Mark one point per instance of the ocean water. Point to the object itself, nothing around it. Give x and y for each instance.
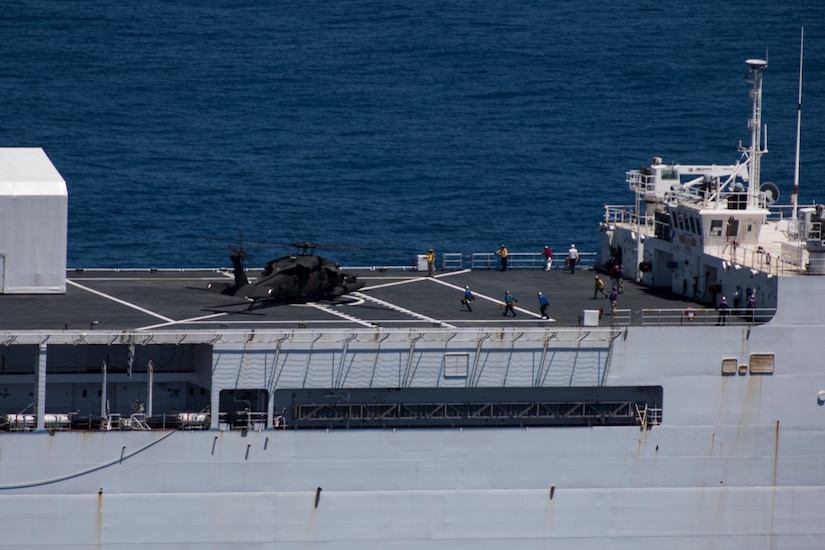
(390, 127)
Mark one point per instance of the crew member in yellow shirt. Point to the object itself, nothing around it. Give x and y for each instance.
(503, 253)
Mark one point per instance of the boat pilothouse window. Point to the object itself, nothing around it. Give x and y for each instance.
(680, 220)
(715, 228)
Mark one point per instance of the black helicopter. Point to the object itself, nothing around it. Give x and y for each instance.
(295, 277)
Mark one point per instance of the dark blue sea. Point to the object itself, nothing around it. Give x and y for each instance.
(387, 126)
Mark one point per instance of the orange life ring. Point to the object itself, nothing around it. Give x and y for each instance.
(768, 258)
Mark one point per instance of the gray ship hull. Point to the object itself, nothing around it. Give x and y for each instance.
(731, 459)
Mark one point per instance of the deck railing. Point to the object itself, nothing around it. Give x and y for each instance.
(528, 260)
(707, 316)
(456, 261)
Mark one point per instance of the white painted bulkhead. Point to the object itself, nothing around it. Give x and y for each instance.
(33, 223)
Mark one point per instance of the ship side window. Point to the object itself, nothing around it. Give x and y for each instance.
(715, 228)
(681, 219)
(670, 175)
(456, 365)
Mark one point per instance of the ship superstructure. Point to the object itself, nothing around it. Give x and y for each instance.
(706, 230)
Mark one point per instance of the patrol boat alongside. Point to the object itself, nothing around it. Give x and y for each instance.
(177, 418)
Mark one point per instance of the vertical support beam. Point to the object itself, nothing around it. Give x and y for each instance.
(40, 389)
(151, 385)
(471, 379)
(340, 376)
(104, 413)
(540, 375)
(270, 385)
(214, 393)
(214, 408)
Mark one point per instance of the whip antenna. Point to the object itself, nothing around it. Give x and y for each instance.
(795, 194)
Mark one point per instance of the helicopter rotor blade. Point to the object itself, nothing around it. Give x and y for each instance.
(306, 246)
(239, 250)
(238, 246)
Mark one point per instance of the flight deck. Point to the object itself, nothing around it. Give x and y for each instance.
(179, 300)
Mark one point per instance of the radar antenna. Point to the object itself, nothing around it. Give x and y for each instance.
(756, 149)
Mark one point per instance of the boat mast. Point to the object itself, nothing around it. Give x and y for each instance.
(755, 125)
(795, 194)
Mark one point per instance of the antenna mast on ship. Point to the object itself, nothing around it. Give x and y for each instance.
(755, 124)
(795, 194)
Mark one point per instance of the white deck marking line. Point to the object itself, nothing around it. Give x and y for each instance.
(403, 310)
(331, 311)
(205, 319)
(489, 298)
(414, 280)
(210, 278)
(182, 321)
(119, 301)
(395, 283)
(404, 323)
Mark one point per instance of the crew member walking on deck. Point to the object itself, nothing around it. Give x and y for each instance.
(617, 277)
(572, 258)
(548, 258)
(620, 278)
(737, 299)
(503, 253)
(509, 303)
(612, 274)
(598, 286)
(614, 299)
(543, 303)
(431, 263)
(468, 297)
(724, 312)
(752, 305)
